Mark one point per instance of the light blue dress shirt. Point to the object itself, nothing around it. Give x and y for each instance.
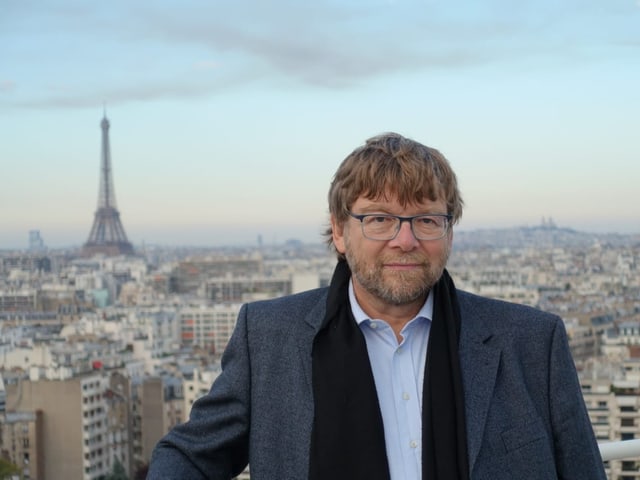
(398, 371)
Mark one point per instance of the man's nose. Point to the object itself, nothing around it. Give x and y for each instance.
(405, 238)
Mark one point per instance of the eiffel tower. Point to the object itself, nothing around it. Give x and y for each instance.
(107, 235)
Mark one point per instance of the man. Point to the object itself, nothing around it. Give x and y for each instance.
(390, 373)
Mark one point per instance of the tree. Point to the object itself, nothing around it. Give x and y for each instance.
(8, 470)
(117, 473)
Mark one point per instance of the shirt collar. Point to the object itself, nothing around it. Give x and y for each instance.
(426, 311)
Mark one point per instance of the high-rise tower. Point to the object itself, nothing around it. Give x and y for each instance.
(107, 234)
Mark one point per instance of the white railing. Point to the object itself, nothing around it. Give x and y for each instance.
(618, 450)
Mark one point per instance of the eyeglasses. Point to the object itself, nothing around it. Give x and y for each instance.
(380, 226)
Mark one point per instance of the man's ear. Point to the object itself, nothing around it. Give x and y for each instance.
(337, 232)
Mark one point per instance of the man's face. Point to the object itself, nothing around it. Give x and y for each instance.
(393, 272)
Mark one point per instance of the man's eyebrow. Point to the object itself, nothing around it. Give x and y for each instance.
(375, 208)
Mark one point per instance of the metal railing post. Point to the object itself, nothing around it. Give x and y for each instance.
(616, 450)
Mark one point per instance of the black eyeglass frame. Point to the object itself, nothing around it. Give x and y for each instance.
(361, 218)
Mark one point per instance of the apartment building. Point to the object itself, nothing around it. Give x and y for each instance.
(189, 275)
(21, 443)
(198, 383)
(157, 406)
(79, 410)
(22, 299)
(612, 395)
(208, 326)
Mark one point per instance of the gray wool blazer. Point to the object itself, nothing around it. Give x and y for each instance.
(525, 415)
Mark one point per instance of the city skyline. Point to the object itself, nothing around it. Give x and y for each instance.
(229, 119)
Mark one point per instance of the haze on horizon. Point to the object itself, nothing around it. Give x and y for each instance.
(228, 119)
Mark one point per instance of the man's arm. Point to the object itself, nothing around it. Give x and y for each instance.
(213, 444)
(576, 450)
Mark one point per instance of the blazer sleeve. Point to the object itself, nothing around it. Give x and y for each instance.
(576, 450)
(213, 444)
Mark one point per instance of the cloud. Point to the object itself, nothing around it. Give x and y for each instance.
(138, 92)
(206, 65)
(343, 44)
(331, 47)
(7, 85)
(332, 44)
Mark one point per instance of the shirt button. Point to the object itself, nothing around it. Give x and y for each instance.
(374, 325)
(413, 444)
(405, 396)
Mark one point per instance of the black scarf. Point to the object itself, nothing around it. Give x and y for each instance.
(347, 442)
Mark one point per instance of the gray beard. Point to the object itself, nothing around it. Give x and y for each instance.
(397, 294)
(406, 288)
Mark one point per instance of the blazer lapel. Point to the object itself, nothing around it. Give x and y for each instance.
(479, 360)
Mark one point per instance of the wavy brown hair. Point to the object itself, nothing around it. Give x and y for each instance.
(392, 166)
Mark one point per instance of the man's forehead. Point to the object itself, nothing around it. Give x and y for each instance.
(393, 200)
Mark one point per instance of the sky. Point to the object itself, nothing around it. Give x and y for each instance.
(229, 118)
